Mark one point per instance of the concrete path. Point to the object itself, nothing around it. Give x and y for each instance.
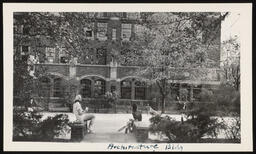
(106, 127)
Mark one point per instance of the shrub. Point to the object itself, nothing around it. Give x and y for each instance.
(232, 128)
(174, 130)
(199, 123)
(206, 95)
(30, 126)
(227, 100)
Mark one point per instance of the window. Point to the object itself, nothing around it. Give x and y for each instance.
(57, 87)
(126, 31)
(134, 15)
(85, 88)
(101, 56)
(63, 60)
(24, 50)
(44, 90)
(140, 90)
(123, 15)
(99, 87)
(62, 56)
(100, 14)
(102, 31)
(89, 31)
(126, 89)
(50, 54)
(196, 92)
(113, 34)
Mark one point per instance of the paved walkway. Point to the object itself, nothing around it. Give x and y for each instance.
(106, 128)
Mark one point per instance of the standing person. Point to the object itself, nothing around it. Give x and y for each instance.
(82, 115)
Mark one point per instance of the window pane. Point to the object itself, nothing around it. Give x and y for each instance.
(126, 31)
(99, 88)
(44, 89)
(140, 90)
(102, 31)
(86, 88)
(57, 88)
(126, 90)
(113, 34)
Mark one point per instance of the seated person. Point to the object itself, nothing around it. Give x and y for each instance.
(82, 115)
(137, 116)
(135, 113)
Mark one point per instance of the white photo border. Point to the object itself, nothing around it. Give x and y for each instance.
(245, 9)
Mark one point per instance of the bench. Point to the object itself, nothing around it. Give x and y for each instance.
(78, 130)
(141, 130)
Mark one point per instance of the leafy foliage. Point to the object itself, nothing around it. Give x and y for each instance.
(198, 124)
(30, 126)
(111, 99)
(231, 62)
(168, 43)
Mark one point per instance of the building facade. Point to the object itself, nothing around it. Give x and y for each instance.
(95, 72)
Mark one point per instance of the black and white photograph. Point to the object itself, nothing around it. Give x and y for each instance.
(127, 80)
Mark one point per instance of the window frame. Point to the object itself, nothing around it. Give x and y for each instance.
(102, 29)
(125, 30)
(138, 88)
(86, 87)
(124, 90)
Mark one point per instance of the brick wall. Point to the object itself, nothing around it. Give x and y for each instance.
(93, 70)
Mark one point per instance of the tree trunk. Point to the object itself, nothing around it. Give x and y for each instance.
(163, 104)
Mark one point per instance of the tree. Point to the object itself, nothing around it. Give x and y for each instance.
(40, 30)
(172, 46)
(231, 62)
(24, 76)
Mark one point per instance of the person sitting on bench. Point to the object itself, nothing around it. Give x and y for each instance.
(135, 113)
(82, 115)
(137, 116)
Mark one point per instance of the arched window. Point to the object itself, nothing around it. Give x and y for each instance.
(126, 89)
(99, 87)
(86, 88)
(140, 90)
(57, 90)
(44, 87)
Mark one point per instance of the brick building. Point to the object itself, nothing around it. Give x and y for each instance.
(94, 74)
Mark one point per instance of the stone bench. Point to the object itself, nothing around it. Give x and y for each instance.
(78, 130)
(141, 130)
